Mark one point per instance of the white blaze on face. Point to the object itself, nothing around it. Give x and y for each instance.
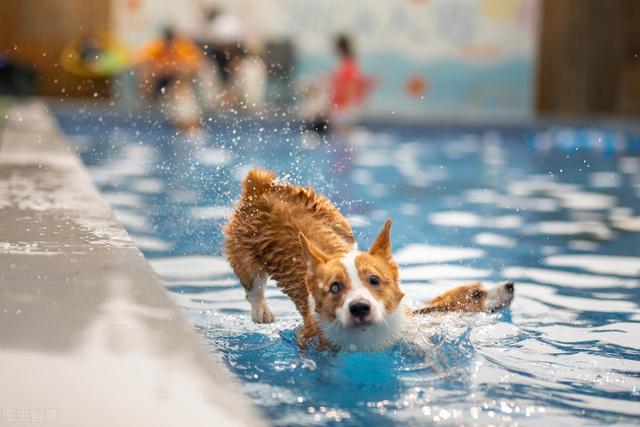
(357, 292)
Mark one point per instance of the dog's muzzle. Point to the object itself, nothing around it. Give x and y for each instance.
(360, 311)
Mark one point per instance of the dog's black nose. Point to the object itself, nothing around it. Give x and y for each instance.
(509, 286)
(359, 309)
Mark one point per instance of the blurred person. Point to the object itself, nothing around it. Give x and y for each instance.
(249, 81)
(220, 36)
(167, 59)
(234, 54)
(333, 104)
(168, 66)
(349, 87)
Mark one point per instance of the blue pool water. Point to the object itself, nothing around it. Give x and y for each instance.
(555, 208)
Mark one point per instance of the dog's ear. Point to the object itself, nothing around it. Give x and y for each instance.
(382, 246)
(313, 256)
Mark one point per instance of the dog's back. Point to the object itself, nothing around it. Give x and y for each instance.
(262, 237)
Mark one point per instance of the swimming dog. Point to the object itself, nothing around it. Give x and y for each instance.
(349, 299)
(473, 297)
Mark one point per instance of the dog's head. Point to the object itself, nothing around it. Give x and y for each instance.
(473, 298)
(355, 297)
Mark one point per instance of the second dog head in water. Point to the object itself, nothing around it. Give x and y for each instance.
(473, 297)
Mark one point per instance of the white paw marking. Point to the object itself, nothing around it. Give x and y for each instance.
(260, 312)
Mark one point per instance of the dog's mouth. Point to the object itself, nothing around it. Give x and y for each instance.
(361, 324)
(358, 323)
(500, 297)
(368, 333)
(500, 304)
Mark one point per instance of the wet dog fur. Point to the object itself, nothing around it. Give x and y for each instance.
(349, 299)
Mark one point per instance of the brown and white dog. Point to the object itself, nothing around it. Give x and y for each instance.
(471, 298)
(349, 299)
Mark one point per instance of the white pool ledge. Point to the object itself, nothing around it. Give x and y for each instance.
(88, 334)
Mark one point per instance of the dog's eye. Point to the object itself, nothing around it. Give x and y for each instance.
(374, 280)
(335, 287)
(476, 294)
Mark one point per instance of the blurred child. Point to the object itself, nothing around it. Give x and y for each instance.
(228, 45)
(334, 104)
(168, 66)
(349, 87)
(221, 36)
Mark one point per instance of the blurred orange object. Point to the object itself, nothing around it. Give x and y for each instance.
(416, 86)
(180, 55)
(133, 4)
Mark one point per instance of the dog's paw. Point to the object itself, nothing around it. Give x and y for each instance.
(260, 313)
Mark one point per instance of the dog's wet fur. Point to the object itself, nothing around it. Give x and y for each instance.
(349, 299)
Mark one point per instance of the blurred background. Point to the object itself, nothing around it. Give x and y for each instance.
(428, 59)
(501, 136)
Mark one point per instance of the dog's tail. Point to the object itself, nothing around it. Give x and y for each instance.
(256, 183)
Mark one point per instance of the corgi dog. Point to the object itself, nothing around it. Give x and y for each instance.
(473, 297)
(349, 300)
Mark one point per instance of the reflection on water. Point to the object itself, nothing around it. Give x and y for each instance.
(560, 219)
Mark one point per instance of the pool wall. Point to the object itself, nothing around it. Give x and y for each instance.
(88, 335)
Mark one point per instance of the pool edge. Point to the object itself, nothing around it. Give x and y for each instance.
(89, 335)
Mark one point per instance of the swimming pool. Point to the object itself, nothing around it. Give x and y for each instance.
(556, 208)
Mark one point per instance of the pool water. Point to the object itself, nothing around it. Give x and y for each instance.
(555, 208)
